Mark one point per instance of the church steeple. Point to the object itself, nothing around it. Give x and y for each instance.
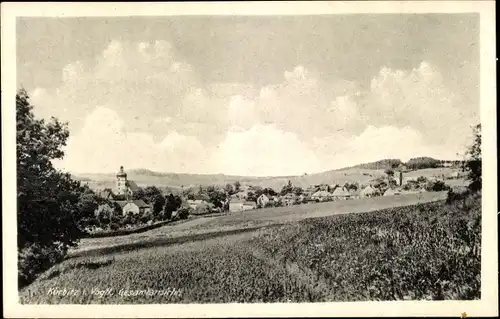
(121, 182)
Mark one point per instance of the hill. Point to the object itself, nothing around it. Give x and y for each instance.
(362, 173)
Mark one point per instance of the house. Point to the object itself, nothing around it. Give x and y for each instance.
(392, 192)
(311, 190)
(289, 199)
(247, 205)
(104, 207)
(324, 187)
(302, 198)
(368, 192)
(105, 194)
(263, 200)
(124, 187)
(121, 203)
(243, 194)
(196, 203)
(454, 175)
(355, 194)
(321, 196)
(201, 206)
(238, 205)
(136, 207)
(341, 193)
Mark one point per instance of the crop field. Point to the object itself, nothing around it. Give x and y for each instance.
(423, 251)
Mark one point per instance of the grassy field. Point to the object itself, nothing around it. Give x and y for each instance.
(423, 251)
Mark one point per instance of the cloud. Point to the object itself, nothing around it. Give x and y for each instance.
(155, 113)
(103, 144)
(141, 81)
(421, 100)
(373, 144)
(263, 150)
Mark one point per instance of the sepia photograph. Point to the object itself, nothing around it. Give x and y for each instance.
(250, 157)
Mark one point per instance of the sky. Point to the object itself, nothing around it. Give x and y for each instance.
(253, 95)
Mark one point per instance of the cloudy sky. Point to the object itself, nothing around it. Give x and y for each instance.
(259, 96)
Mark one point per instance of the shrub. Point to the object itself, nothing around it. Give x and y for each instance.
(114, 226)
(35, 259)
(184, 212)
(436, 186)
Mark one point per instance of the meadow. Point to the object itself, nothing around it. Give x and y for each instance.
(428, 251)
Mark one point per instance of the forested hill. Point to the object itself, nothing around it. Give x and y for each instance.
(414, 163)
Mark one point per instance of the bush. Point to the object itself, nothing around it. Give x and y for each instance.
(436, 186)
(184, 212)
(35, 259)
(114, 226)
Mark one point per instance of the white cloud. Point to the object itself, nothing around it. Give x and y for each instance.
(156, 115)
(103, 144)
(263, 150)
(374, 144)
(242, 112)
(419, 99)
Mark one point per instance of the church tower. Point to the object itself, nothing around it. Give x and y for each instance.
(121, 182)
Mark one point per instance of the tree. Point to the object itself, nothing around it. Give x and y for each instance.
(87, 206)
(229, 189)
(172, 203)
(473, 164)
(298, 190)
(436, 186)
(287, 188)
(237, 186)
(422, 163)
(269, 191)
(389, 172)
(184, 212)
(151, 193)
(47, 199)
(216, 197)
(188, 193)
(140, 195)
(154, 197)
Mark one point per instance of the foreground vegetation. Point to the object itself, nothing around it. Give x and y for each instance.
(425, 251)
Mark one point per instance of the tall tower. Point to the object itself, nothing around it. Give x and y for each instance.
(121, 182)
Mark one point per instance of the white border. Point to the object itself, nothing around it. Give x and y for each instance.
(487, 306)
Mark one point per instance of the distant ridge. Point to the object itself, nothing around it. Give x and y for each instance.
(361, 173)
(381, 164)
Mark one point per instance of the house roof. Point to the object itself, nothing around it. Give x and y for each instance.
(104, 193)
(391, 191)
(368, 191)
(122, 203)
(321, 194)
(140, 203)
(201, 197)
(236, 201)
(197, 201)
(340, 191)
(356, 192)
(133, 186)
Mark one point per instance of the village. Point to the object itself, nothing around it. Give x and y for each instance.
(129, 200)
